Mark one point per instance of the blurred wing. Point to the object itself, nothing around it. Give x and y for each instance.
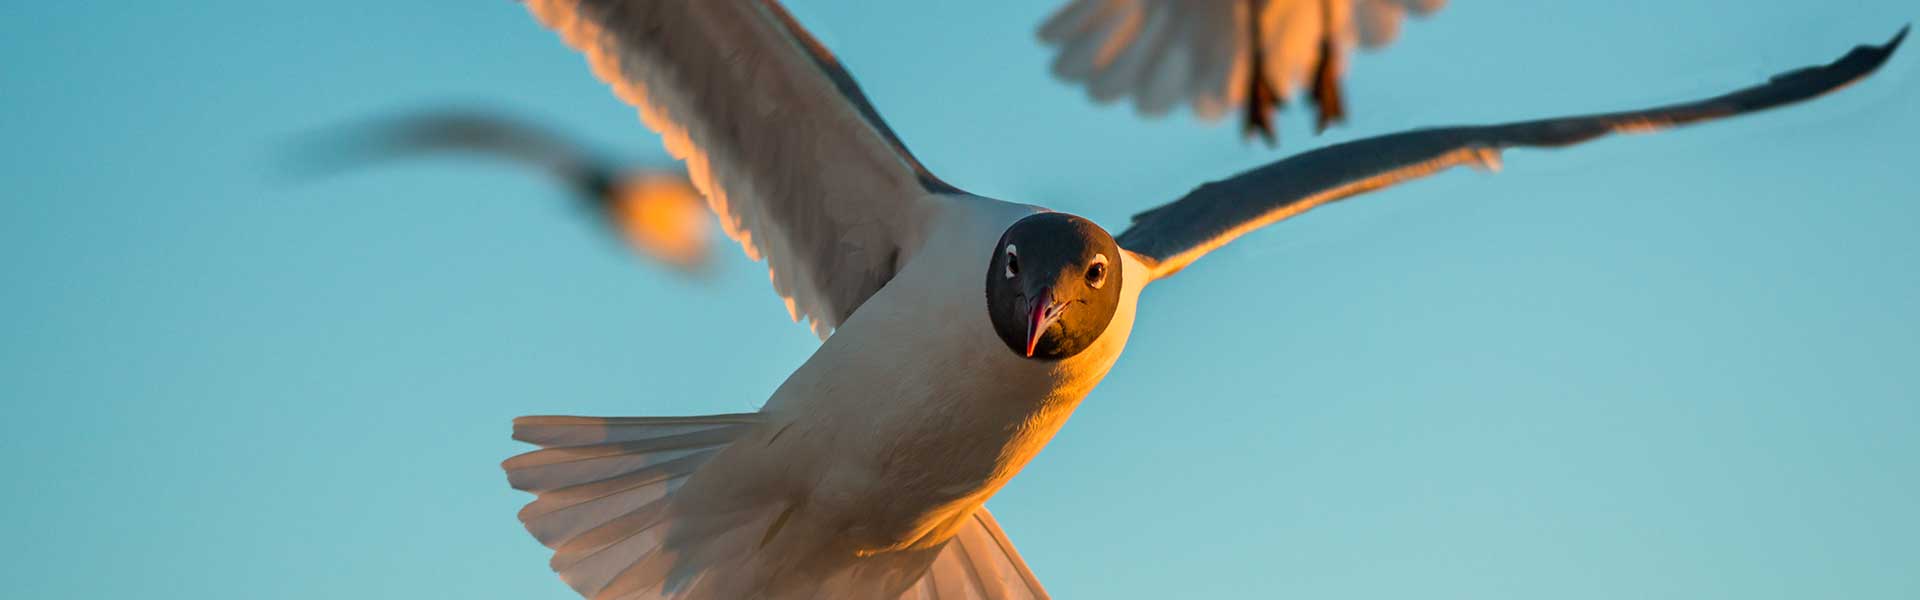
(456, 130)
(657, 211)
(1162, 53)
(1175, 234)
(977, 564)
(1377, 22)
(778, 137)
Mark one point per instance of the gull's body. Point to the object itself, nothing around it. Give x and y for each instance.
(921, 378)
(919, 366)
(865, 473)
(916, 377)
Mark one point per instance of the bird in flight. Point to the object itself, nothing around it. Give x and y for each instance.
(964, 330)
(655, 210)
(1221, 55)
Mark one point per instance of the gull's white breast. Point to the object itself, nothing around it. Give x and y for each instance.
(914, 412)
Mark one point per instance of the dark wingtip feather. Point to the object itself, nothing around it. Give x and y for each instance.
(1857, 63)
(1883, 51)
(1877, 55)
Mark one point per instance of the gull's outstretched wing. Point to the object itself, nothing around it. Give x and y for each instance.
(655, 210)
(1163, 53)
(1174, 235)
(778, 137)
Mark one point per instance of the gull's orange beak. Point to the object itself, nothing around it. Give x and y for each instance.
(1041, 313)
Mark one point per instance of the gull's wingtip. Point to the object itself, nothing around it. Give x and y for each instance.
(1881, 52)
(1859, 62)
(1876, 55)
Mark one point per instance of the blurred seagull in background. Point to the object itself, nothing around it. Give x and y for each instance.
(654, 209)
(964, 330)
(1221, 55)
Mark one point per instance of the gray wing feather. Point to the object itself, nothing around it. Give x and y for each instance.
(775, 134)
(1174, 235)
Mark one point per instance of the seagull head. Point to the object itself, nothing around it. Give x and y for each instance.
(1053, 285)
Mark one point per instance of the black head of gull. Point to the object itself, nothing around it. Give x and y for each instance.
(1053, 285)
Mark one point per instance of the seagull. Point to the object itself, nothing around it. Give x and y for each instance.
(655, 210)
(964, 330)
(1164, 53)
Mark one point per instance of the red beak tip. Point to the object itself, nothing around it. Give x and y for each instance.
(1036, 317)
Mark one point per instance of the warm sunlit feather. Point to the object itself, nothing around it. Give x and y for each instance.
(794, 169)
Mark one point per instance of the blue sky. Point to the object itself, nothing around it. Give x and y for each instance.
(1672, 366)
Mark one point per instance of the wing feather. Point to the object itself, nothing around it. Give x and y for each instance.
(1174, 235)
(780, 140)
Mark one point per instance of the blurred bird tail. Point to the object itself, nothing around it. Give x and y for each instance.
(605, 486)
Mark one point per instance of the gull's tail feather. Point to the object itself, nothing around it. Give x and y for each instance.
(610, 506)
(606, 491)
(979, 562)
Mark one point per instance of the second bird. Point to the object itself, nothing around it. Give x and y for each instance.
(655, 210)
(1220, 56)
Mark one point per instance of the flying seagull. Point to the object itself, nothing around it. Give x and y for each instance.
(964, 330)
(1221, 55)
(654, 209)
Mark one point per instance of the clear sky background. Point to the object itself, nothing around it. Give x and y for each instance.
(1672, 366)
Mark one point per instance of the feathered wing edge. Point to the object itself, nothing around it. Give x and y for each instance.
(605, 491)
(1172, 236)
(774, 133)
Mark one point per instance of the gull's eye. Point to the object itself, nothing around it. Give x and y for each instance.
(1013, 261)
(1097, 272)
